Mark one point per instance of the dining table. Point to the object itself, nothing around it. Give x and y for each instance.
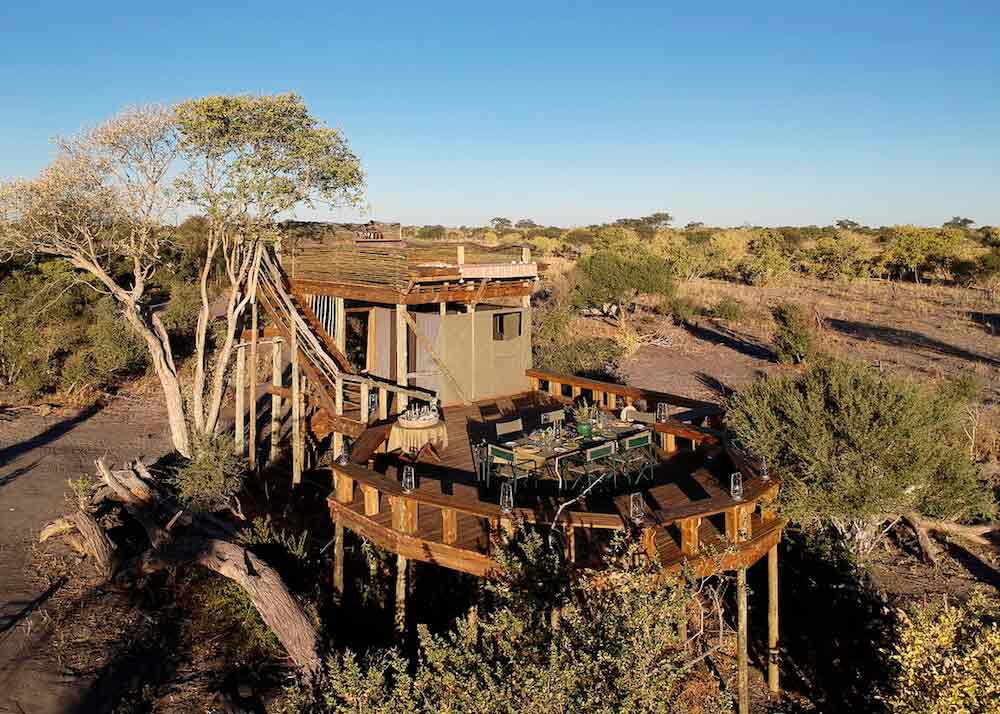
(547, 451)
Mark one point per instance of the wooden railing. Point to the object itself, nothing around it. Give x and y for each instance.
(696, 421)
(404, 537)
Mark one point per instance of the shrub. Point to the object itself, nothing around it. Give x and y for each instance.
(795, 336)
(556, 349)
(610, 278)
(855, 446)
(843, 255)
(115, 349)
(730, 309)
(617, 648)
(212, 476)
(767, 261)
(180, 317)
(684, 311)
(947, 658)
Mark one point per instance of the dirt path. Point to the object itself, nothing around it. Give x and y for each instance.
(38, 453)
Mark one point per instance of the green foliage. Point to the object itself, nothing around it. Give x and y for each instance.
(616, 648)
(794, 335)
(248, 639)
(730, 309)
(683, 310)
(947, 659)
(556, 349)
(854, 446)
(212, 476)
(839, 256)
(436, 232)
(617, 278)
(180, 317)
(263, 533)
(767, 260)
(911, 250)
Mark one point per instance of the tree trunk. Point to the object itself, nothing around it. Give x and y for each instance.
(162, 361)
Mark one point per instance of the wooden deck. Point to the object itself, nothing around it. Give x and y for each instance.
(449, 518)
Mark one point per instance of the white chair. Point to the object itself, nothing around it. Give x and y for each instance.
(553, 416)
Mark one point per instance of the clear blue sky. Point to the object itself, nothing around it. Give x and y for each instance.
(725, 112)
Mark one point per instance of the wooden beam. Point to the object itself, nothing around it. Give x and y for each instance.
(337, 443)
(296, 411)
(690, 541)
(240, 387)
(338, 560)
(371, 496)
(401, 568)
(742, 660)
(434, 356)
(275, 398)
(449, 525)
(402, 365)
(648, 395)
(773, 683)
(252, 448)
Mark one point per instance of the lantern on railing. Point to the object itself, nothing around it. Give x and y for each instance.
(736, 485)
(662, 412)
(506, 497)
(409, 479)
(636, 510)
(763, 469)
(372, 402)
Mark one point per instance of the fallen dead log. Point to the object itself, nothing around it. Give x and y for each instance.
(199, 538)
(923, 526)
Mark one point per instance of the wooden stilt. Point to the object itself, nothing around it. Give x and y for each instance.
(401, 565)
(337, 443)
(365, 411)
(383, 403)
(338, 561)
(275, 397)
(402, 363)
(252, 444)
(296, 412)
(742, 662)
(772, 621)
(240, 387)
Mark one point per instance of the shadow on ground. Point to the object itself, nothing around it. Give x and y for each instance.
(906, 339)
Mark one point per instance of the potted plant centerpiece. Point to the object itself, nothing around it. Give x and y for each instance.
(584, 415)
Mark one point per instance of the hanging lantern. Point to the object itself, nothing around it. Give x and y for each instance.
(763, 470)
(636, 510)
(736, 486)
(662, 412)
(409, 479)
(506, 497)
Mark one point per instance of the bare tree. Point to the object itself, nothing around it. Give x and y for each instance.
(104, 201)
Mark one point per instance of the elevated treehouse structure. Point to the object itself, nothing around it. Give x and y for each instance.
(369, 325)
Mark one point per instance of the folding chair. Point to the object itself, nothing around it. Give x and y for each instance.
(594, 463)
(503, 463)
(509, 428)
(636, 458)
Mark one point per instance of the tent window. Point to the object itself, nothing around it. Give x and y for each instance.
(506, 326)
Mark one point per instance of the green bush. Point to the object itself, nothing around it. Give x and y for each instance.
(556, 349)
(841, 256)
(212, 476)
(730, 309)
(947, 658)
(684, 311)
(180, 317)
(617, 648)
(854, 446)
(609, 277)
(767, 260)
(795, 335)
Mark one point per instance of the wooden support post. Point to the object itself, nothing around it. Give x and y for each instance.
(471, 308)
(241, 392)
(525, 254)
(337, 443)
(296, 411)
(570, 543)
(252, 446)
(365, 411)
(689, 536)
(401, 567)
(575, 391)
(460, 257)
(555, 389)
(275, 397)
(371, 497)
(383, 404)
(773, 684)
(742, 661)
(340, 325)
(449, 526)
(338, 560)
(402, 364)
(649, 542)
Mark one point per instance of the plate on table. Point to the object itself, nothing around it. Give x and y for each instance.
(528, 449)
(510, 443)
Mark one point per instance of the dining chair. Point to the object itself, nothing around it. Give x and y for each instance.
(503, 462)
(511, 426)
(594, 463)
(635, 458)
(553, 416)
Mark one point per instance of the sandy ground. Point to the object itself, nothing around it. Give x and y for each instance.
(39, 451)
